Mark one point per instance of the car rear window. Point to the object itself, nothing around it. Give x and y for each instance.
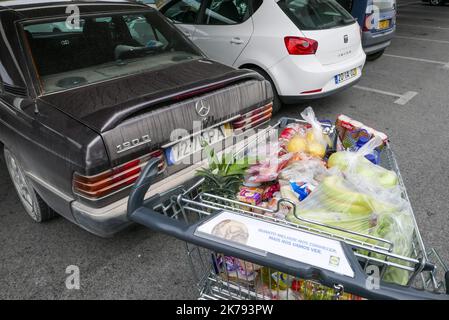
(347, 4)
(384, 4)
(316, 14)
(103, 47)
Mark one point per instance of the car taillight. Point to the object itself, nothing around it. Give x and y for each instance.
(254, 118)
(300, 46)
(368, 23)
(118, 178)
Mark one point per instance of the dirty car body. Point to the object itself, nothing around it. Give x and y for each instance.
(83, 110)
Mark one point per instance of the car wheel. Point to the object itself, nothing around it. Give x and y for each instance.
(375, 56)
(33, 204)
(436, 2)
(277, 103)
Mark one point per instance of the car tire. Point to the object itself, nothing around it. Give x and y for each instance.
(277, 103)
(436, 2)
(375, 56)
(33, 204)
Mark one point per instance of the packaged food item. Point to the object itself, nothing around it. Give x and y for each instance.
(233, 269)
(350, 130)
(268, 170)
(270, 190)
(251, 185)
(309, 290)
(374, 133)
(351, 137)
(309, 170)
(365, 198)
(250, 195)
(345, 126)
(300, 178)
(301, 189)
(274, 279)
(280, 208)
(317, 141)
(291, 130)
(374, 157)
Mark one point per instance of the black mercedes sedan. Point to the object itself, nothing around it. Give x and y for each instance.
(91, 91)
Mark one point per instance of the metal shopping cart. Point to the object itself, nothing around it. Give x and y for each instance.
(233, 270)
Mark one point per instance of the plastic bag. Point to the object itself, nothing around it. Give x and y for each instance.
(354, 198)
(309, 139)
(268, 169)
(301, 177)
(235, 269)
(316, 139)
(360, 170)
(306, 169)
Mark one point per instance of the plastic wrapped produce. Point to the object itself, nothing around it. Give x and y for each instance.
(365, 198)
(316, 141)
(268, 169)
(301, 177)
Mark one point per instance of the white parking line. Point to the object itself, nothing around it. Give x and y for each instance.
(445, 64)
(408, 4)
(422, 39)
(402, 100)
(422, 26)
(418, 17)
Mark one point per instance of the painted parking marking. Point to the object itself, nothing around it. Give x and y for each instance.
(418, 17)
(402, 99)
(422, 39)
(422, 26)
(407, 4)
(443, 63)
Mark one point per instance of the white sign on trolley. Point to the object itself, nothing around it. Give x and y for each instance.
(262, 237)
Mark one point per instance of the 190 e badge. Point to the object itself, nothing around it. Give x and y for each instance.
(128, 145)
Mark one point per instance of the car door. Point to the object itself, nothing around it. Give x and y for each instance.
(224, 29)
(184, 14)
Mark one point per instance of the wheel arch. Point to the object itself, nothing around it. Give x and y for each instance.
(255, 66)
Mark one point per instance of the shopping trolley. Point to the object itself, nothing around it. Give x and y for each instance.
(230, 269)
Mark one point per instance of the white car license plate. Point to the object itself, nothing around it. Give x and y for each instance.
(345, 76)
(192, 145)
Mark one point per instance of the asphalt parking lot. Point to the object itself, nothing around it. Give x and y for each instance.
(404, 93)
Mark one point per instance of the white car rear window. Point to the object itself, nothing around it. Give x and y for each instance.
(316, 14)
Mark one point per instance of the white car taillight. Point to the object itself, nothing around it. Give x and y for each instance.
(300, 45)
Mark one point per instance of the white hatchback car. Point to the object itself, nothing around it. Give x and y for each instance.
(306, 48)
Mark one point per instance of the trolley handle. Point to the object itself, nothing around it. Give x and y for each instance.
(150, 218)
(141, 214)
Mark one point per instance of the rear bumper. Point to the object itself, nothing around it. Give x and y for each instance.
(295, 75)
(375, 42)
(302, 98)
(109, 220)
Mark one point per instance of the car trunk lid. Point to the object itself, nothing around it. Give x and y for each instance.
(337, 44)
(136, 115)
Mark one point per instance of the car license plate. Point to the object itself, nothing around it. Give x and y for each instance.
(192, 145)
(384, 24)
(342, 77)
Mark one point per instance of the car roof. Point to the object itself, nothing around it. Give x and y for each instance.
(33, 3)
(43, 8)
(24, 5)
